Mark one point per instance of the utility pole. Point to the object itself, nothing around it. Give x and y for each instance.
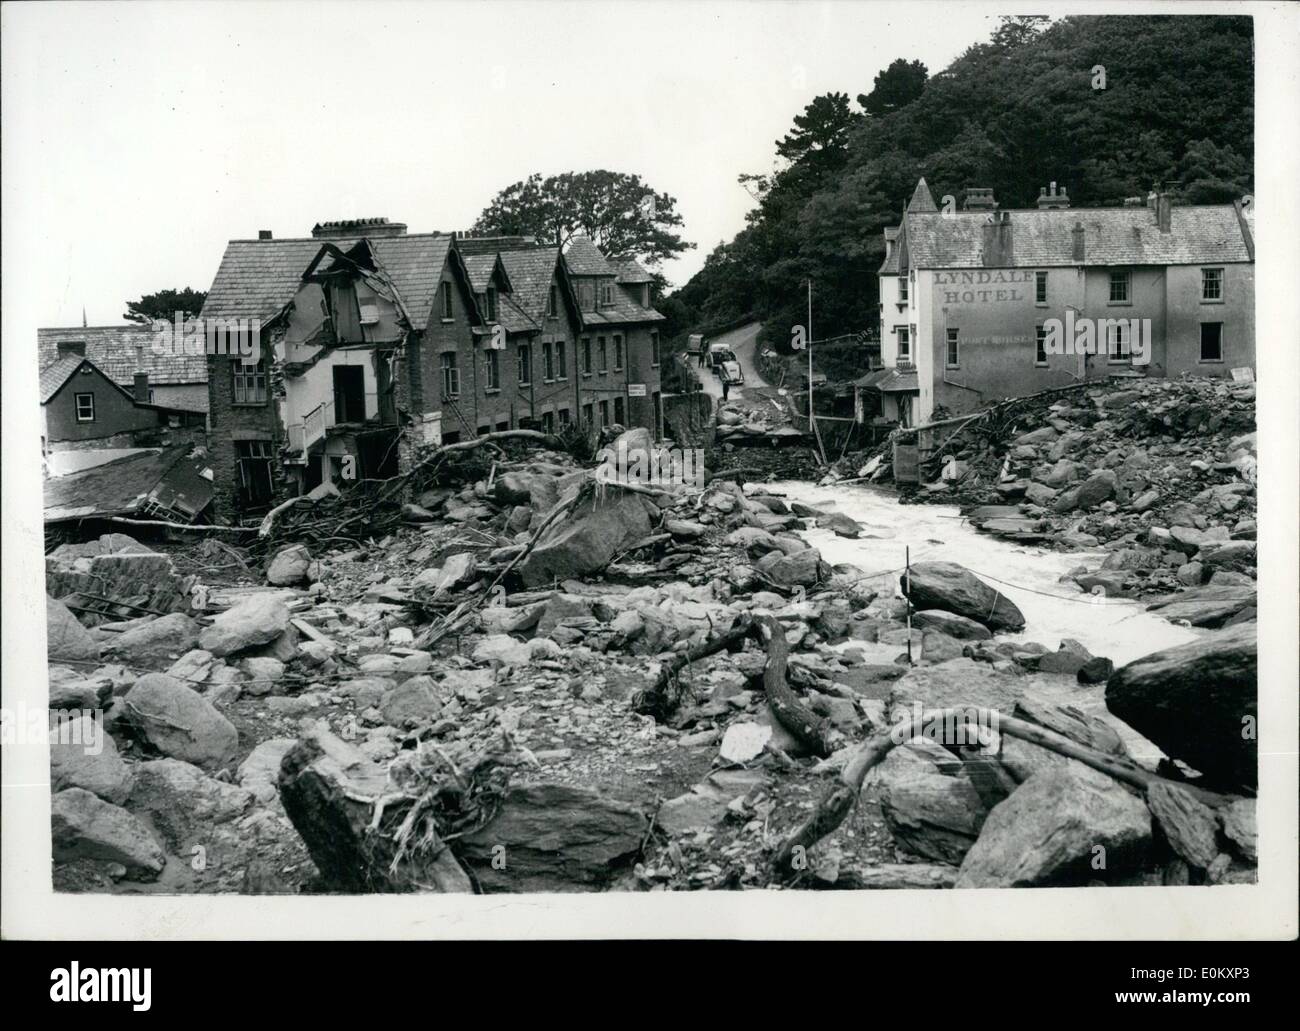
(812, 420)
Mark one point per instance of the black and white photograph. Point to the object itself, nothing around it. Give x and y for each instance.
(737, 465)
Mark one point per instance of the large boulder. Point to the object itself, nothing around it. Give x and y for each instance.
(65, 638)
(183, 803)
(179, 722)
(954, 588)
(84, 826)
(83, 755)
(800, 569)
(260, 772)
(1198, 702)
(553, 837)
(257, 620)
(597, 529)
(160, 640)
(291, 565)
(930, 813)
(1067, 825)
(950, 623)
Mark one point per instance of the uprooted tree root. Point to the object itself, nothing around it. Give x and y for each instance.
(814, 732)
(838, 802)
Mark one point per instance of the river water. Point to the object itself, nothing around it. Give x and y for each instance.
(1117, 628)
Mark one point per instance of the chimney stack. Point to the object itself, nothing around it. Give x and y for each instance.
(979, 199)
(1051, 200)
(998, 251)
(264, 234)
(140, 388)
(1077, 234)
(1164, 213)
(372, 228)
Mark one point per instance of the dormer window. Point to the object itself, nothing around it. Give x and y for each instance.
(607, 295)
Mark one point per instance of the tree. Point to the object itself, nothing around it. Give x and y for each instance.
(896, 87)
(164, 305)
(821, 132)
(1210, 174)
(618, 211)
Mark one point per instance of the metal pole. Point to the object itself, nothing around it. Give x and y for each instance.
(812, 422)
(907, 579)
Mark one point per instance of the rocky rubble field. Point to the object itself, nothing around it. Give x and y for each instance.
(1160, 474)
(543, 683)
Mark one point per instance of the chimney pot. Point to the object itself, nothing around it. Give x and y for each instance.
(264, 234)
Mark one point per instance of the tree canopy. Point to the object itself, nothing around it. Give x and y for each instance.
(618, 211)
(1012, 114)
(164, 305)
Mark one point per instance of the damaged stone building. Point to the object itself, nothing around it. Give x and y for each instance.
(968, 297)
(376, 341)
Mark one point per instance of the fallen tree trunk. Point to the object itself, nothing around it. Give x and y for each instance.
(836, 804)
(192, 527)
(814, 732)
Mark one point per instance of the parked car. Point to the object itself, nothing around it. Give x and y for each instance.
(725, 365)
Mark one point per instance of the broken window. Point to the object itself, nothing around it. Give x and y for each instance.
(248, 383)
(85, 407)
(1118, 342)
(525, 365)
(619, 414)
(587, 416)
(548, 422)
(253, 457)
(450, 374)
(349, 393)
(564, 417)
(1211, 341)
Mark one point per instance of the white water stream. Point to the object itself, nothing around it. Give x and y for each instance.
(1119, 629)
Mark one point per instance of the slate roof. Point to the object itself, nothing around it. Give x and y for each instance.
(479, 267)
(922, 199)
(584, 258)
(530, 273)
(890, 381)
(125, 484)
(1112, 236)
(630, 271)
(623, 310)
(257, 278)
(54, 376)
(119, 352)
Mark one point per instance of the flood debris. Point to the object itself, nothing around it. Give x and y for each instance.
(511, 671)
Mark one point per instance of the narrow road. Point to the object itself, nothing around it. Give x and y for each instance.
(742, 342)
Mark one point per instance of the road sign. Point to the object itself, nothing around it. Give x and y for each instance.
(636, 390)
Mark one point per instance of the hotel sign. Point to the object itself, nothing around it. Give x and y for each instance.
(984, 286)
